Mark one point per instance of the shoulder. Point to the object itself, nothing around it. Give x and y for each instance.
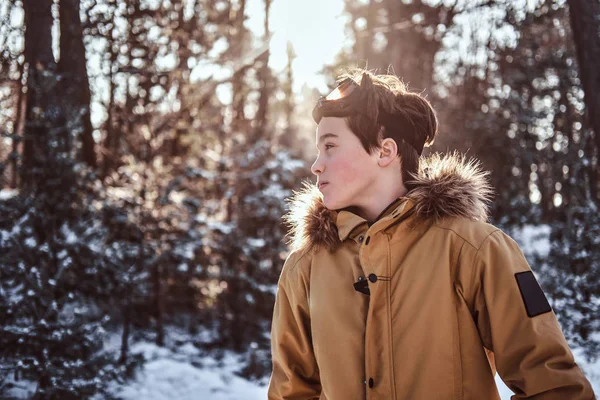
(473, 233)
(482, 241)
(296, 266)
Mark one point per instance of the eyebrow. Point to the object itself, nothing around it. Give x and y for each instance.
(327, 135)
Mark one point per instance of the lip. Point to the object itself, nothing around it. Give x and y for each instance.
(322, 185)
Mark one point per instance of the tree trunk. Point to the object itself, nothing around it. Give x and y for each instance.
(38, 32)
(110, 147)
(237, 81)
(405, 37)
(126, 328)
(160, 304)
(585, 24)
(289, 103)
(265, 80)
(181, 76)
(72, 65)
(39, 58)
(18, 129)
(368, 38)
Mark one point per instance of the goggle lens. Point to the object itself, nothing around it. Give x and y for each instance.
(342, 90)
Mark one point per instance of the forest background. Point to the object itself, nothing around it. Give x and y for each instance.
(147, 148)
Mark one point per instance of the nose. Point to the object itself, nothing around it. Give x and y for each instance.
(317, 167)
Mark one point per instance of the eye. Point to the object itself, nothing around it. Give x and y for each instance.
(328, 146)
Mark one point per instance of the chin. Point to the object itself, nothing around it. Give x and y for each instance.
(332, 203)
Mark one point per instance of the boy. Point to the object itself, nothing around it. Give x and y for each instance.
(397, 288)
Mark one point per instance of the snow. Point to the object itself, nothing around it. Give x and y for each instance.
(183, 267)
(30, 242)
(591, 369)
(6, 194)
(169, 374)
(186, 250)
(275, 190)
(70, 236)
(286, 162)
(267, 288)
(224, 227)
(533, 239)
(256, 242)
(185, 373)
(4, 236)
(22, 389)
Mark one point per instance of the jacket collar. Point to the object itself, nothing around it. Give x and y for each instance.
(346, 221)
(445, 186)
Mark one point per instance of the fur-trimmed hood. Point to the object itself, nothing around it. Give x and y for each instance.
(446, 186)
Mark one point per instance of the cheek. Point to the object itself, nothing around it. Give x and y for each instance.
(350, 167)
(349, 174)
(346, 170)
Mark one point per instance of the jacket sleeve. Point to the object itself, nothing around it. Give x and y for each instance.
(516, 322)
(295, 372)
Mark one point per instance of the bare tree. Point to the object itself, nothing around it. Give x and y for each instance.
(585, 24)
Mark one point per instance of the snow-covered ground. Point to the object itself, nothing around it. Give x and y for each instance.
(184, 374)
(169, 375)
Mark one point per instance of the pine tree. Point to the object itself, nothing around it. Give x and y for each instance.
(51, 274)
(252, 248)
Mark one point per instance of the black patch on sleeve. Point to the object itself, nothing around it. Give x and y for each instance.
(532, 294)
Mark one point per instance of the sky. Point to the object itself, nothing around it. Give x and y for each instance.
(314, 27)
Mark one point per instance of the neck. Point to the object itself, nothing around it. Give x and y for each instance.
(378, 199)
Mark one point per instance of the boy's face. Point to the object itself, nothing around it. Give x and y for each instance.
(345, 171)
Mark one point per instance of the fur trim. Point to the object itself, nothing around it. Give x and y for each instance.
(310, 223)
(451, 186)
(445, 186)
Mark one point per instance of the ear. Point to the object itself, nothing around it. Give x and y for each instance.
(388, 152)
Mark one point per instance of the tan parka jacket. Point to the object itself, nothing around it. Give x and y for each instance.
(412, 306)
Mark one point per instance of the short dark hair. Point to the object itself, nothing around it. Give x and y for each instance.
(387, 94)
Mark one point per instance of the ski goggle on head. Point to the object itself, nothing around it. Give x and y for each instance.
(335, 103)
